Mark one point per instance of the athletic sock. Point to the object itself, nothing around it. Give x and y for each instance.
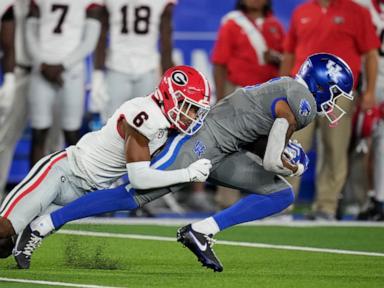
(43, 225)
(207, 226)
(95, 203)
(254, 207)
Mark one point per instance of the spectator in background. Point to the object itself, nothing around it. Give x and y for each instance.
(375, 208)
(247, 52)
(7, 89)
(127, 60)
(59, 37)
(131, 58)
(343, 28)
(248, 47)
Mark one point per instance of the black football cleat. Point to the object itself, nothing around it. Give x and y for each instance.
(374, 211)
(27, 242)
(201, 245)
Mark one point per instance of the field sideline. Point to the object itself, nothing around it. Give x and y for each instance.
(266, 255)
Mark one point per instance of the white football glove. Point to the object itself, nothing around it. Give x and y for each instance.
(7, 94)
(199, 170)
(99, 95)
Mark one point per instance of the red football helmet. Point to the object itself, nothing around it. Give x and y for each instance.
(183, 94)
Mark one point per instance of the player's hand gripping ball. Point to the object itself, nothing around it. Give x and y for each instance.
(295, 155)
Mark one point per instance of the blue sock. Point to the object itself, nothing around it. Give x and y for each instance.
(95, 203)
(253, 207)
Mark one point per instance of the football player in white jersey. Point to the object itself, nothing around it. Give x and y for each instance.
(375, 210)
(59, 36)
(12, 126)
(125, 144)
(131, 60)
(7, 89)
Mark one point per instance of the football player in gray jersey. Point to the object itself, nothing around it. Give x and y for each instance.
(234, 132)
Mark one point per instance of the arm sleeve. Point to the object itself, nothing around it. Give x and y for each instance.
(275, 147)
(32, 39)
(88, 43)
(142, 176)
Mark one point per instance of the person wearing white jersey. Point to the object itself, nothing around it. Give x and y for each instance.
(12, 126)
(131, 60)
(125, 144)
(7, 88)
(59, 36)
(375, 209)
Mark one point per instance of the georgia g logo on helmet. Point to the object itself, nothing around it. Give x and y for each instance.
(179, 78)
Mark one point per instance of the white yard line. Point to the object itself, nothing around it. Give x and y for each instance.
(231, 243)
(267, 222)
(64, 284)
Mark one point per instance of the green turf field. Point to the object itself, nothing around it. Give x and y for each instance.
(111, 261)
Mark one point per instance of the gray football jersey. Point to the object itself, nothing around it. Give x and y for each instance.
(248, 113)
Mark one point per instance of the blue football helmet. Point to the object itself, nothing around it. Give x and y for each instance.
(328, 77)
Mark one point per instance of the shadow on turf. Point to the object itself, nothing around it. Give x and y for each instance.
(80, 255)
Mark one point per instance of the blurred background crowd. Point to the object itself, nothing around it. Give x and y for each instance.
(51, 93)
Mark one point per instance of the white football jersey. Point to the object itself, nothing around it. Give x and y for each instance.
(61, 26)
(4, 6)
(134, 33)
(99, 157)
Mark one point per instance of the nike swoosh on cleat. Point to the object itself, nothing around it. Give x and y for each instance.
(201, 246)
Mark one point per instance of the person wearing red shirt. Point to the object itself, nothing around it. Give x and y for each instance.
(248, 46)
(343, 28)
(247, 52)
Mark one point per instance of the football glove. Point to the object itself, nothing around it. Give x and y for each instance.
(295, 154)
(199, 170)
(99, 95)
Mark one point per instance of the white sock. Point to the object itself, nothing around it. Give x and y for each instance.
(206, 226)
(43, 225)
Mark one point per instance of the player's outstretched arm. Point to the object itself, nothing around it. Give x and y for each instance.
(142, 176)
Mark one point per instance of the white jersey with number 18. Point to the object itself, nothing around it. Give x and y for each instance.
(134, 33)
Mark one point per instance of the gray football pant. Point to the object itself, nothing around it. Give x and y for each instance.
(240, 170)
(49, 185)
